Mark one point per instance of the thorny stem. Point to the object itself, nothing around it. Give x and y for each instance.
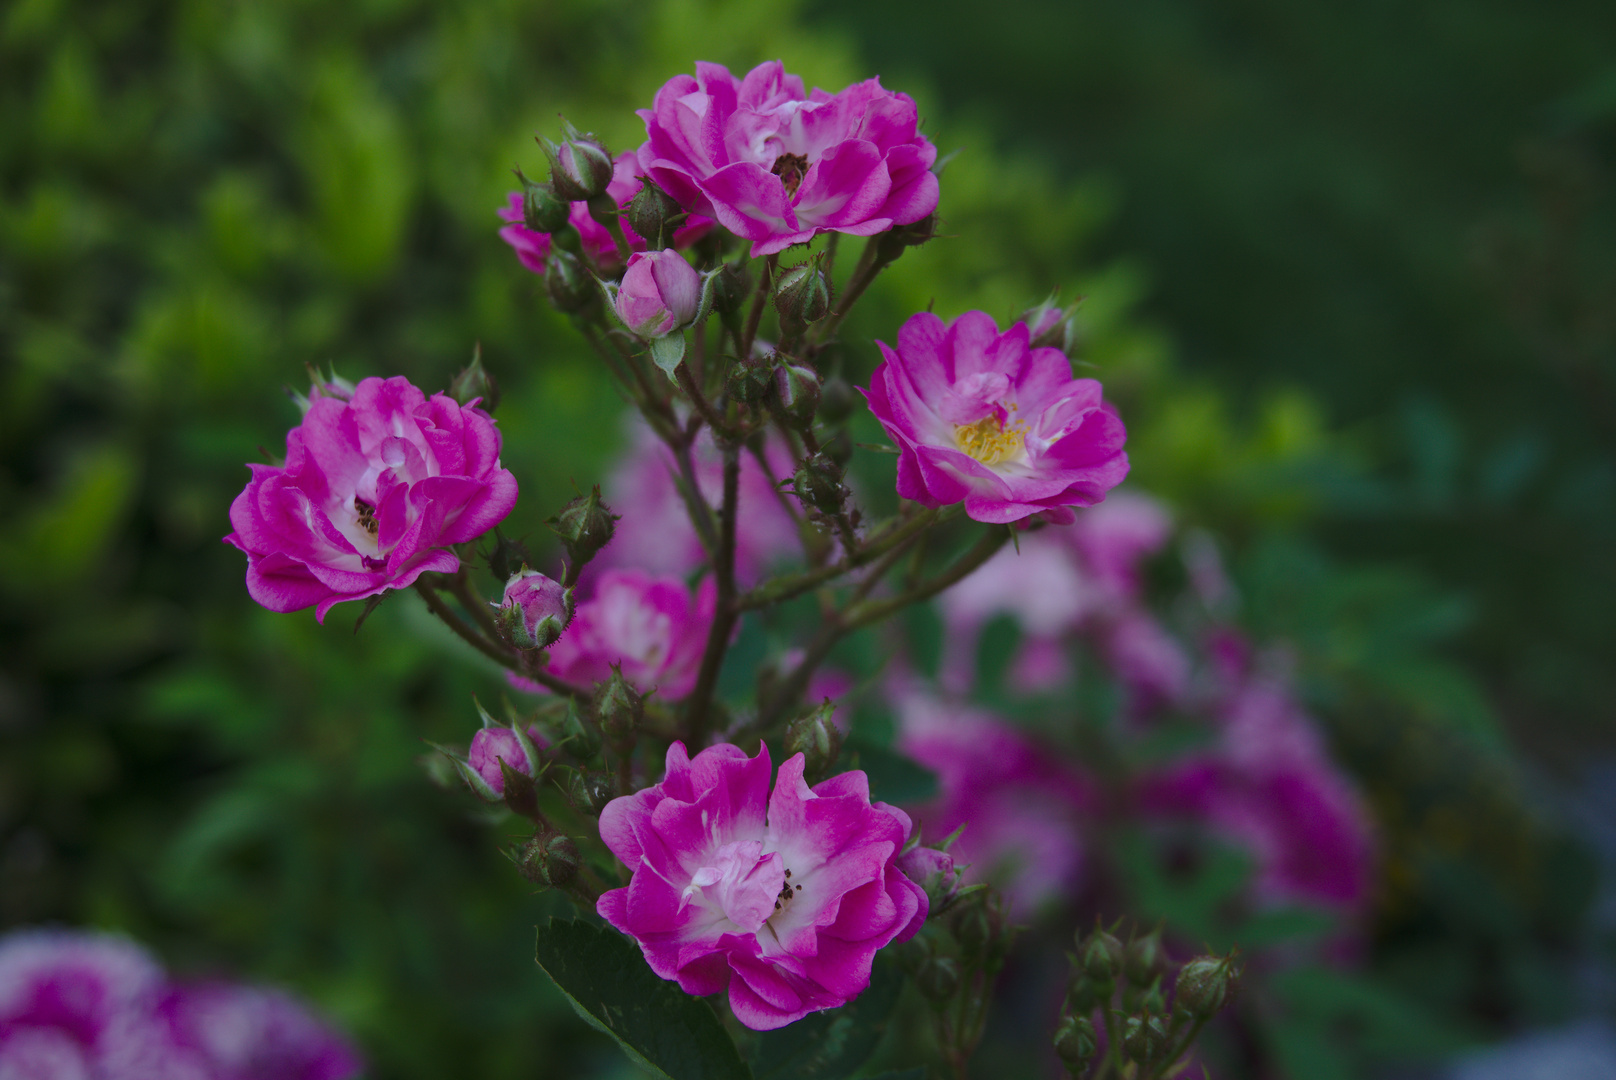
(687, 383)
(785, 588)
(759, 299)
(699, 706)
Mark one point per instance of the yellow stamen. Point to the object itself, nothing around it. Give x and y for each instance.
(987, 440)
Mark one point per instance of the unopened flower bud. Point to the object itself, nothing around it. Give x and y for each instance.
(534, 610)
(1075, 1042)
(474, 383)
(817, 738)
(329, 385)
(589, 792)
(567, 283)
(1206, 984)
(585, 525)
(619, 710)
(975, 932)
(938, 978)
(507, 557)
(1082, 994)
(581, 739)
(818, 483)
(1145, 1039)
(933, 871)
(896, 239)
(1051, 326)
(660, 294)
(549, 859)
(797, 390)
(837, 398)
(542, 209)
(1142, 958)
(750, 380)
(802, 295)
(517, 749)
(651, 213)
(1102, 956)
(733, 285)
(580, 167)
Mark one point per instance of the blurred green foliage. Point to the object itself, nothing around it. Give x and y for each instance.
(197, 199)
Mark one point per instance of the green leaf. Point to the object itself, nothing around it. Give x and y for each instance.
(668, 350)
(893, 777)
(832, 1044)
(657, 1024)
(906, 1074)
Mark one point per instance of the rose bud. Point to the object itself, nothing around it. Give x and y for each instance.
(1051, 326)
(548, 860)
(474, 384)
(567, 285)
(661, 293)
(534, 610)
(491, 745)
(818, 483)
(934, 871)
(802, 296)
(1146, 1039)
(652, 213)
(798, 390)
(580, 167)
(585, 525)
(731, 289)
(619, 710)
(1206, 984)
(817, 738)
(1075, 1043)
(329, 385)
(542, 209)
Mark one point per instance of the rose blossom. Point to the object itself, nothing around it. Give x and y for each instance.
(1021, 806)
(373, 491)
(532, 248)
(660, 293)
(983, 418)
(778, 166)
(534, 609)
(652, 626)
(655, 534)
(783, 898)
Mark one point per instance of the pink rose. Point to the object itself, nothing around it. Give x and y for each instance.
(532, 248)
(373, 491)
(655, 534)
(660, 293)
(534, 610)
(652, 626)
(784, 899)
(981, 417)
(778, 166)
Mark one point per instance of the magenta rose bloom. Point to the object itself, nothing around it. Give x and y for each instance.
(984, 418)
(1022, 807)
(532, 248)
(660, 293)
(655, 534)
(373, 491)
(778, 166)
(652, 626)
(782, 898)
(252, 1033)
(71, 997)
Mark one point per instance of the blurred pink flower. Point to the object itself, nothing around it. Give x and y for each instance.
(1022, 806)
(982, 418)
(253, 1033)
(653, 626)
(373, 492)
(781, 898)
(777, 166)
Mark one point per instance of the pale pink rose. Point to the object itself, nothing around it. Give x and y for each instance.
(982, 418)
(777, 165)
(373, 492)
(783, 899)
(532, 248)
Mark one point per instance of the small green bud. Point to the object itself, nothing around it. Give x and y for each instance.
(474, 383)
(567, 283)
(1052, 326)
(1206, 984)
(1142, 959)
(1075, 1042)
(1082, 994)
(802, 295)
(589, 792)
(549, 859)
(654, 214)
(837, 399)
(839, 447)
(896, 239)
(585, 525)
(1102, 956)
(581, 738)
(542, 209)
(797, 390)
(733, 285)
(816, 737)
(938, 978)
(619, 710)
(818, 483)
(580, 166)
(750, 380)
(974, 931)
(1145, 1039)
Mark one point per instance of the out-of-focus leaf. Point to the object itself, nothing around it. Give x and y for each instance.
(893, 777)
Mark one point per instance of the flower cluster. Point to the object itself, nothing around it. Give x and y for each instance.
(97, 1006)
(375, 488)
(781, 898)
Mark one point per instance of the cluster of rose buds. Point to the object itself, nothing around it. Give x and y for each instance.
(1142, 1031)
